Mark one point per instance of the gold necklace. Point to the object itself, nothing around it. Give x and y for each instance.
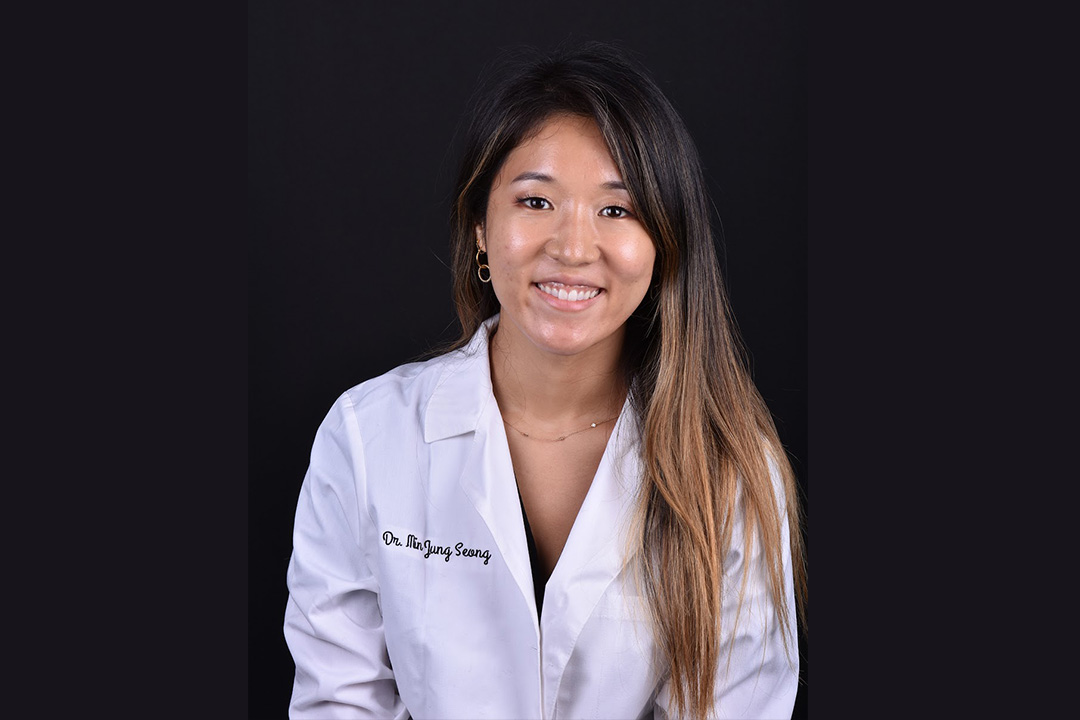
(560, 439)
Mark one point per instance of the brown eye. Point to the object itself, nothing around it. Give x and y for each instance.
(534, 203)
(614, 211)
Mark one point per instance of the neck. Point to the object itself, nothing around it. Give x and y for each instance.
(553, 394)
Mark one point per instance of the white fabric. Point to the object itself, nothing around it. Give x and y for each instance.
(419, 456)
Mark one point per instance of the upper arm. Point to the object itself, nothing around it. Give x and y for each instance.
(333, 623)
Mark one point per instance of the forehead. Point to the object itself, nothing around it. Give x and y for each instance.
(571, 143)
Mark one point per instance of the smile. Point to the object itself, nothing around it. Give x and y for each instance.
(573, 294)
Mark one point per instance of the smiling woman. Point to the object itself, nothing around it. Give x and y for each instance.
(593, 435)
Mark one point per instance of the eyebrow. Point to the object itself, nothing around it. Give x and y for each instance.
(543, 177)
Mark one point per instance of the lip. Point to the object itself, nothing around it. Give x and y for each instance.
(568, 305)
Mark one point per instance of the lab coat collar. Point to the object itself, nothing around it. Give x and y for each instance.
(463, 390)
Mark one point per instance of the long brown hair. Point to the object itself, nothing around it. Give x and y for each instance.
(707, 436)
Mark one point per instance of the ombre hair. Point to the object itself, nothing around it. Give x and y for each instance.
(708, 439)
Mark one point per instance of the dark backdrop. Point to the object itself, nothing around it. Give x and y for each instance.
(353, 130)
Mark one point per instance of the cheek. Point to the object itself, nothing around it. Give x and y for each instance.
(634, 262)
(511, 250)
(507, 269)
(514, 245)
(505, 264)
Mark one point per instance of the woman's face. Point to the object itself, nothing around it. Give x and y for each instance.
(569, 259)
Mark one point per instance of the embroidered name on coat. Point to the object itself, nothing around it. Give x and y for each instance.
(429, 548)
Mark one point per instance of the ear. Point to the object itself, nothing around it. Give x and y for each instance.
(480, 245)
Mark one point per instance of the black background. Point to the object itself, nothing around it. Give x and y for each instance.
(353, 131)
(127, 355)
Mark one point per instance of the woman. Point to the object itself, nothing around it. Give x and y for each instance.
(582, 508)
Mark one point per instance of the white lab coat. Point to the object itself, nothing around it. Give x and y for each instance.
(410, 586)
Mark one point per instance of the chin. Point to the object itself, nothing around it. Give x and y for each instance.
(565, 341)
(565, 350)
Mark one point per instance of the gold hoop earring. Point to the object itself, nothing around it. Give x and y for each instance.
(481, 267)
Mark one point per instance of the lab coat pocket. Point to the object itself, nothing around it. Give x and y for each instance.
(615, 652)
(624, 617)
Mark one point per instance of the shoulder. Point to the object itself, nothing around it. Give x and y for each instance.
(403, 390)
(446, 390)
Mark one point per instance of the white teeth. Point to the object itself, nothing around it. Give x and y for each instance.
(572, 295)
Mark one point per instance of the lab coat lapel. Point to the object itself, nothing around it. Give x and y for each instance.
(489, 482)
(594, 552)
(463, 424)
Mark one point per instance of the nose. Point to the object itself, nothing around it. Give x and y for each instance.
(575, 239)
